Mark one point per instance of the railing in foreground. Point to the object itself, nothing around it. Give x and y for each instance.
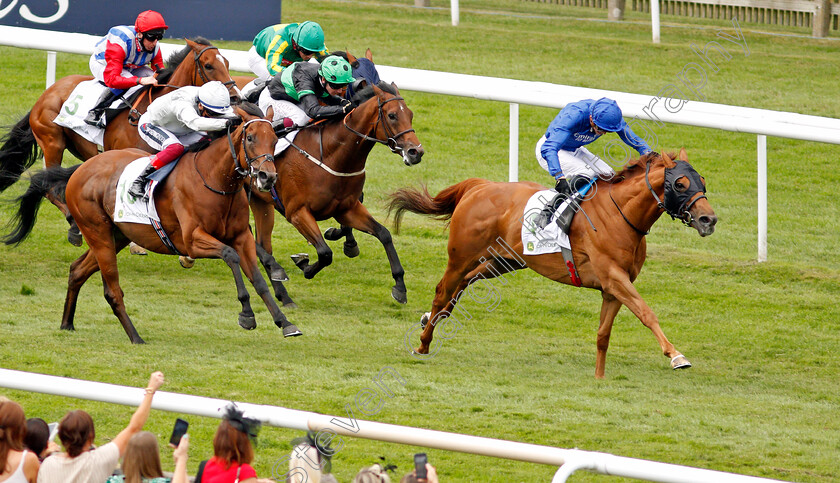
(569, 460)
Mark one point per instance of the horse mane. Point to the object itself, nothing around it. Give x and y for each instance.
(367, 92)
(630, 169)
(175, 60)
(251, 109)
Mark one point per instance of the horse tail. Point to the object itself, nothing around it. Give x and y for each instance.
(49, 180)
(18, 152)
(421, 202)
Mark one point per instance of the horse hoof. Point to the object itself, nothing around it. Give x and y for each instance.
(291, 330)
(138, 340)
(187, 262)
(680, 362)
(399, 295)
(351, 250)
(247, 322)
(301, 260)
(136, 249)
(290, 305)
(279, 275)
(332, 234)
(425, 319)
(74, 237)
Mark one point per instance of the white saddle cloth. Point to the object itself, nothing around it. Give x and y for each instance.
(128, 209)
(550, 239)
(81, 101)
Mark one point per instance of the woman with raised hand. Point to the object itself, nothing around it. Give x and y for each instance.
(84, 463)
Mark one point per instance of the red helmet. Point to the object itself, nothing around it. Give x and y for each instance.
(149, 20)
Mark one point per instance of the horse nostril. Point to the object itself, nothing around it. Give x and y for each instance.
(708, 220)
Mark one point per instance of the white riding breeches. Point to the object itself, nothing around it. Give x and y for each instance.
(283, 109)
(159, 138)
(579, 162)
(257, 64)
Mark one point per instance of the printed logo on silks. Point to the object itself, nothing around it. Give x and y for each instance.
(530, 246)
(545, 244)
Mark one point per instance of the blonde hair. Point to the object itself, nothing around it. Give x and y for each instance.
(372, 474)
(142, 458)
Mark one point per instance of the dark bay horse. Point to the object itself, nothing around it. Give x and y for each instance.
(322, 176)
(202, 207)
(195, 64)
(487, 217)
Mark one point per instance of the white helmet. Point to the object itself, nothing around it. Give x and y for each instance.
(214, 97)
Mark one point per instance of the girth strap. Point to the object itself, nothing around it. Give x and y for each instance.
(164, 237)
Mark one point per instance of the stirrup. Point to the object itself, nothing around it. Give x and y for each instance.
(92, 119)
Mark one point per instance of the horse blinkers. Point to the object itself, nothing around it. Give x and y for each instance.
(679, 198)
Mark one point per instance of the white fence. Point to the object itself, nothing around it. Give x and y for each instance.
(642, 108)
(569, 460)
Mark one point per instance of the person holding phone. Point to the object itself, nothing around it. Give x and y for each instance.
(82, 463)
(39, 438)
(423, 471)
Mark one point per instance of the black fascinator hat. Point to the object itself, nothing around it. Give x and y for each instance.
(235, 418)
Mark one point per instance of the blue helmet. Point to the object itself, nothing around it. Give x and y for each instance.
(606, 115)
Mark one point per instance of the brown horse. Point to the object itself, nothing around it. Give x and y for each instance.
(322, 176)
(202, 208)
(37, 130)
(485, 240)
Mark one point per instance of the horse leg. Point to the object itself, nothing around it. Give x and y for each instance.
(263, 226)
(617, 283)
(80, 271)
(609, 308)
(305, 223)
(447, 293)
(245, 248)
(351, 247)
(204, 245)
(358, 217)
(105, 252)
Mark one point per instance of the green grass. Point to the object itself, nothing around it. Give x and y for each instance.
(761, 398)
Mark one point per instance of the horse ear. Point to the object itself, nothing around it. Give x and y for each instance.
(369, 54)
(397, 91)
(189, 42)
(350, 57)
(683, 156)
(269, 114)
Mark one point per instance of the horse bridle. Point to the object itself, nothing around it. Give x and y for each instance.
(242, 172)
(391, 141)
(201, 72)
(686, 201)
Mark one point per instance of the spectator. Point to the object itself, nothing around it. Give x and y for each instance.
(431, 476)
(18, 464)
(141, 463)
(37, 438)
(82, 463)
(232, 451)
(372, 474)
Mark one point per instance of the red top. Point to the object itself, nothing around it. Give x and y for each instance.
(215, 472)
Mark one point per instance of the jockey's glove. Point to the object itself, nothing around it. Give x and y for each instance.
(232, 122)
(562, 187)
(346, 106)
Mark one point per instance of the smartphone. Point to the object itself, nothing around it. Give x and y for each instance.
(420, 461)
(179, 430)
(53, 431)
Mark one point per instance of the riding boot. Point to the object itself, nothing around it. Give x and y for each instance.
(544, 216)
(138, 187)
(96, 116)
(251, 91)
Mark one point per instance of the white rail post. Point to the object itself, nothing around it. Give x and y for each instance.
(50, 68)
(762, 198)
(513, 155)
(456, 13)
(654, 19)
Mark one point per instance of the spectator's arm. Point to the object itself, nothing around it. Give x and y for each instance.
(181, 456)
(138, 419)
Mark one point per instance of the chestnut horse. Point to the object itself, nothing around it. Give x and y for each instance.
(202, 208)
(322, 175)
(487, 217)
(36, 131)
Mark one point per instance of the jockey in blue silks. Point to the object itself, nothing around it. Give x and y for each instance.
(561, 150)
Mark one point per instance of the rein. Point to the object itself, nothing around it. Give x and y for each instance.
(199, 68)
(640, 232)
(242, 172)
(391, 141)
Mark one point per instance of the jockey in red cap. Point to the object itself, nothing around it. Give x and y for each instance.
(121, 58)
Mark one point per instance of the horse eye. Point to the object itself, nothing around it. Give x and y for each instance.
(250, 138)
(208, 66)
(392, 116)
(680, 186)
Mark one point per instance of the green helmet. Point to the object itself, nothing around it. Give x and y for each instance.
(309, 36)
(336, 70)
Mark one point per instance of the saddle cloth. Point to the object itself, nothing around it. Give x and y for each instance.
(80, 102)
(128, 209)
(551, 239)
